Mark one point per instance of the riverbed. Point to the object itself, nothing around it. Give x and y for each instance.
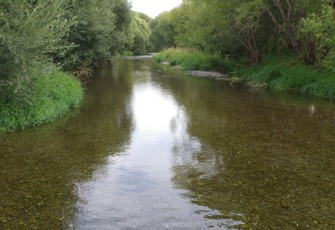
(154, 148)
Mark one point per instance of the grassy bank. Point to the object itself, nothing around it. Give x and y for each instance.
(280, 73)
(286, 73)
(190, 59)
(51, 96)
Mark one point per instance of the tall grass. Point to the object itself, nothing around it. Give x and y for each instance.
(298, 78)
(287, 73)
(191, 59)
(278, 72)
(52, 96)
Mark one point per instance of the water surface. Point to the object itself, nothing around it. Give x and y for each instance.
(152, 148)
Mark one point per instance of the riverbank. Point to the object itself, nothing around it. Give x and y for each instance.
(281, 73)
(190, 59)
(51, 97)
(285, 73)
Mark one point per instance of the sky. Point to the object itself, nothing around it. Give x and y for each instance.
(153, 8)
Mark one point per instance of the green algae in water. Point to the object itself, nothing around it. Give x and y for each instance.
(261, 159)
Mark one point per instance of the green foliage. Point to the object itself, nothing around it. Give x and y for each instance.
(53, 94)
(292, 77)
(139, 33)
(162, 32)
(28, 38)
(319, 27)
(295, 37)
(7, 63)
(323, 87)
(253, 28)
(223, 27)
(36, 36)
(100, 31)
(200, 25)
(127, 53)
(191, 59)
(283, 76)
(26, 42)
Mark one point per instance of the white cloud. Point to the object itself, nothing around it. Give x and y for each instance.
(153, 8)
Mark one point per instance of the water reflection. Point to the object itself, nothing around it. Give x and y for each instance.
(189, 153)
(135, 191)
(151, 148)
(40, 167)
(272, 159)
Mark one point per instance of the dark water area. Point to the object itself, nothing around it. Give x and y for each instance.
(152, 148)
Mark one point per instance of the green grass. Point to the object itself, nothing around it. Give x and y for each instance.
(127, 53)
(52, 96)
(298, 78)
(287, 73)
(190, 59)
(283, 72)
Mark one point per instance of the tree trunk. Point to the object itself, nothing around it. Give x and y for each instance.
(286, 27)
(251, 46)
(310, 56)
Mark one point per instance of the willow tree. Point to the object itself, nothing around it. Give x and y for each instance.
(139, 33)
(163, 32)
(29, 32)
(200, 24)
(99, 33)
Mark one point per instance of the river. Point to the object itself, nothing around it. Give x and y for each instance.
(153, 148)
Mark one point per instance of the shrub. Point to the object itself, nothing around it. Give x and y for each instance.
(267, 74)
(52, 96)
(294, 78)
(297, 77)
(127, 53)
(323, 87)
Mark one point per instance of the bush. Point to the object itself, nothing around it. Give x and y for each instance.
(294, 78)
(52, 96)
(128, 53)
(297, 77)
(267, 74)
(323, 87)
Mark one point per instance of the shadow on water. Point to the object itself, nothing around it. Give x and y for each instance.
(41, 167)
(267, 156)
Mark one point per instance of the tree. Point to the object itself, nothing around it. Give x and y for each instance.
(163, 32)
(245, 18)
(222, 26)
(34, 35)
(100, 31)
(26, 42)
(319, 29)
(287, 16)
(139, 33)
(199, 24)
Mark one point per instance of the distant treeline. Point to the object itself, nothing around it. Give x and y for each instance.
(280, 44)
(251, 28)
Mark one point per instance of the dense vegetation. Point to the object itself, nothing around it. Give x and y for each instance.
(281, 44)
(41, 40)
(139, 34)
(286, 45)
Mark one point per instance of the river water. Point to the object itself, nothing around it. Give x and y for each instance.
(152, 148)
